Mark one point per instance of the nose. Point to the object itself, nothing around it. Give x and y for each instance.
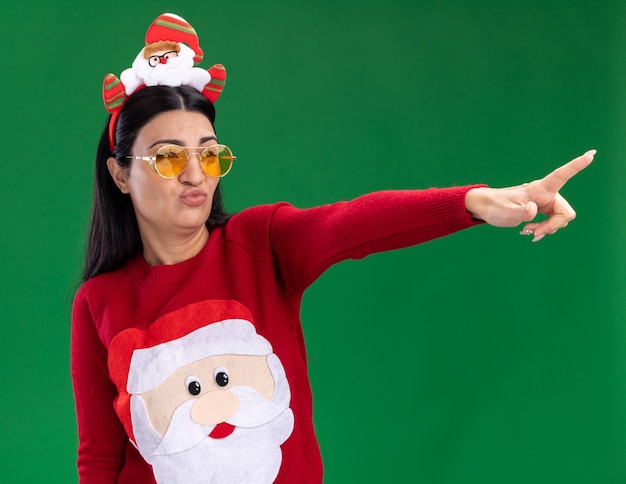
(192, 174)
(163, 60)
(215, 407)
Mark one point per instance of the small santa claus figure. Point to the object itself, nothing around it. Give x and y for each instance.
(203, 396)
(168, 57)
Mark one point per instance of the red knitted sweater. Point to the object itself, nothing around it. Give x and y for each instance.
(263, 259)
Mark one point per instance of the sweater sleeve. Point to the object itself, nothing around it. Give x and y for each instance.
(307, 242)
(102, 439)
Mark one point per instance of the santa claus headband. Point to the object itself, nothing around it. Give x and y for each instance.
(169, 40)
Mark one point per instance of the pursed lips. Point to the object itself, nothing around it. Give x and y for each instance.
(195, 196)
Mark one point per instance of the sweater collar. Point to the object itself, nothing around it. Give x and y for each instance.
(139, 269)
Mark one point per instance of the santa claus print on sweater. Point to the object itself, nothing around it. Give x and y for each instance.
(202, 395)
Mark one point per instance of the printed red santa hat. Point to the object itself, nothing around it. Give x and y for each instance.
(139, 360)
(171, 27)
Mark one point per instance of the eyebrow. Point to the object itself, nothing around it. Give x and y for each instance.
(179, 142)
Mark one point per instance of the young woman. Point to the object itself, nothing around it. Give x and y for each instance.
(188, 359)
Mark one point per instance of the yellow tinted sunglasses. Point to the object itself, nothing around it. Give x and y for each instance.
(169, 161)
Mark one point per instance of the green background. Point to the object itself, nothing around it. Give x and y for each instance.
(477, 358)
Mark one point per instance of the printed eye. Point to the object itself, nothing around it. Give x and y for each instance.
(221, 377)
(193, 385)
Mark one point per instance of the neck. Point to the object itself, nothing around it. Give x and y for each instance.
(173, 249)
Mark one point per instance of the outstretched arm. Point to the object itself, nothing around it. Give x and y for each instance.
(508, 207)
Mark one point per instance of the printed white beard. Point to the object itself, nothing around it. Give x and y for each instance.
(186, 455)
(247, 456)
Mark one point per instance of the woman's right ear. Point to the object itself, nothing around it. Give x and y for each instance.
(118, 173)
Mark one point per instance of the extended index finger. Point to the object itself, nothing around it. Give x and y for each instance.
(555, 180)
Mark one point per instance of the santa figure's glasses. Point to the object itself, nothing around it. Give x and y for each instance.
(155, 60)
(169, 161)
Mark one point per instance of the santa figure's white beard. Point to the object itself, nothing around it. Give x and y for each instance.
(186, 455)
(175, 72)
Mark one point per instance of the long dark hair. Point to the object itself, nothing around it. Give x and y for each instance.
(113, 237)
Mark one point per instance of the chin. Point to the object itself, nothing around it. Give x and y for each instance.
(194, 226)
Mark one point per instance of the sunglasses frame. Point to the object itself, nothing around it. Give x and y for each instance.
(151, 160)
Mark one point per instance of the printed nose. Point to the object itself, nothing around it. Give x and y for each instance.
(215, 407)
(163, 60)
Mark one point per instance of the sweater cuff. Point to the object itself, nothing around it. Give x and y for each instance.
(443, 209)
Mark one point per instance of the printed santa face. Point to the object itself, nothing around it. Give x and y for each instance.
(209, 406)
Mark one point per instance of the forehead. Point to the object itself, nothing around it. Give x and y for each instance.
(188, 127)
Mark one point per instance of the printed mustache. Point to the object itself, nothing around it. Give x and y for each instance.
(184, 433)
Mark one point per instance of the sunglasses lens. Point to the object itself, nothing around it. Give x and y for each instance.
(170, 160)
(216, 160)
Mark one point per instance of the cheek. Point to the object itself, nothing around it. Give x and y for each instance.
(212, 187)
(161, 404)
(146, 191)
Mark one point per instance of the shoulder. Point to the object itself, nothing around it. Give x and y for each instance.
(96, 290)
(259, 214)
(255, 220)
(254, 229)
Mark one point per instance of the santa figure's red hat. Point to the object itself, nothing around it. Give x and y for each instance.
(171, 27)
